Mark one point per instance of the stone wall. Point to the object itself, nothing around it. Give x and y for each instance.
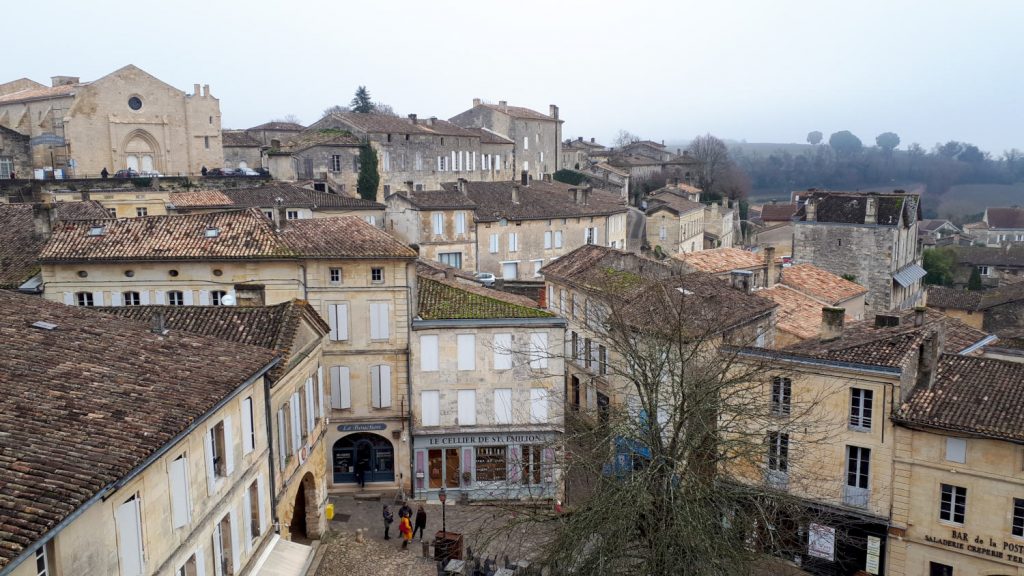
(234, 156)
(15, 155)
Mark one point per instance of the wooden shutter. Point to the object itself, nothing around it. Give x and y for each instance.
(262, 491)
(466, 351)
(160, 298)
(218, 552)
(430, 408)
(503, 406)
(204, 297)
(429, 361)
(502, 351)
(200, 561)
(187, 297)
(282, 449)
(180, 508)
(380, 324)
(296, 422)
(538, 405)
(211, 472)
(337, 315)
(341, 389)
(97, 298)
(229, 447)
(129, 537)
(375, 386)
(547, 240)
(246, 519)
(310, 417)
(322, 410)
(467, 407)
(69, 299)
(115, 298)
(248, 425)
(382, 386)
(144, 297)
(236, 552)
(538, 350)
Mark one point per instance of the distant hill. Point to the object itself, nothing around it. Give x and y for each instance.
(763, 148)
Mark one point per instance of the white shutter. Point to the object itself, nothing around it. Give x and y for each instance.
(144, 297)
(338, 320)
(282, 449)
(296, 423)
(97, 298)
(503, 406)
(236, 553)
(502, 351)
(538, 350)
(200, 561)
(513, 242)
(187, 294)
(248, 424)
(558, 238)
(538, 405)
(547, 240)
(229, 447)
(430, 408)
(180, 508)
(467, 351)
(261, 489)
(115, 298)
(380, 384)
(160, 299)
(429, 353)
(494, 244)
(956, 450)
(129, 537)
(379, 321)
(246, 519)
(211, 474)
(204, 297)
(69, 299)
(310, 417)
(375, 386)
(438, 221)
(320, 390)
(460, 223)
(218, 552)
(467, 407)
(341, 389)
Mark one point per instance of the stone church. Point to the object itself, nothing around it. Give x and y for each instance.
(126, 119)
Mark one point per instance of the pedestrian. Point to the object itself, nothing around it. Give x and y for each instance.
(421, 521)
(203, 171)
(13, 175)
(405, 528)
(388, 519)
(405, 511)
(104, 173)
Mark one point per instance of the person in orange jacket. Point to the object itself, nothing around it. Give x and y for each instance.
(405, 528)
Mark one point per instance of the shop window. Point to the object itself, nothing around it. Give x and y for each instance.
(531, 461)
(491, 463)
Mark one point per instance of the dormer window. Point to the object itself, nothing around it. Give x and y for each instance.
(212, 232)
(96, 230)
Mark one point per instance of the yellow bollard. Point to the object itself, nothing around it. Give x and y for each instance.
(329, 512)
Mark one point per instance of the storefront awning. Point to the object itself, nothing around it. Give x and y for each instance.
(283, 558)
(909, 274)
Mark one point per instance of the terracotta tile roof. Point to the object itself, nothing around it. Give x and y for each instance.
(40, 93)
(199, 199)
(19, 244)
(718, 260)
(439, 200)
(1012, 217)
(975, 395)
(240, 235)
(238, 138)
(328, 200)
(598, 268)
(942, 297)
(266, 196)
(820, 284)
(625, 161)
(87, 402)
(489, 137)
(778, 212)
(272, 327)
(280, 126)
(682, 159)
(851, 208)
(438, 271)
(520, 112)
(446, 300)
(798, 314)
(673, 200)
(321, 137)
(84, 210)
(538, 201)
(387, 124)
(610, 168)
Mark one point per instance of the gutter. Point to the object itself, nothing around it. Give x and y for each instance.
(773, 355)
(109, 489)
(488, 323)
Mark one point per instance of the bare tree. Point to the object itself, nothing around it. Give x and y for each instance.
(335, 109)
(714, 162)
(290, 118)
(624, 138)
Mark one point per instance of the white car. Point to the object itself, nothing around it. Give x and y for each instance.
(485, 278)
(247, 172)
(150, 174)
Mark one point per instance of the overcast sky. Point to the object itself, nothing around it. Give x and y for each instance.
(753, 70)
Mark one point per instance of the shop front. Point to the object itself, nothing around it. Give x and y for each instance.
(370, 453)
(487, 465)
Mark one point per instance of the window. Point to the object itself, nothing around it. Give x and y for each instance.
(6, 167)
(1018, 517)
(538, 350)
(224, 553)
(983, 270)
(502, 351)
(558, 238)
(531, 461)
(84, 298)
(43, 560)
(219, 444)
(341, 388)
(936, 569)
(189, 568)
(430, 408)
(418, 159)
(778, 451)
(538, 405)
(142, 211)
(337, 319)
(380, 386)
(861, 401)
(336, 163)
(513, 242)
(491, 464)
(377, 275)
(858, 467)
(956, 450)
(128, 518)
(467, 407)
(438, 221)
(590, 235)
(131, 298)
(494, 244)
(429, 361)
(503, 406)
(526, 142)
(176, 298)
(466, 344)
(547, 240)
(111, 211)
(181, 506)
(662, 233)
(782, 390)
(206, 142)
(603, 358)
(291, 215)
(380, 321)
(217, 297)
(953, 504)
(453, 259)
(562, 308)
(248, 426)
(253, 498)
(371, 219)
(460, 222)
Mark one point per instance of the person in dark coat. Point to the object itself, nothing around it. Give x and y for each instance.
(203, 171)
(104, 174)
(405, 511)
(421, 522)
(388, 519)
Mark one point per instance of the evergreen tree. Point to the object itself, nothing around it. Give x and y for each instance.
(975, 281)
(361, 101)
(369, 179)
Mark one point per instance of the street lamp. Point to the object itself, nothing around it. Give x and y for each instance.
(442, 496)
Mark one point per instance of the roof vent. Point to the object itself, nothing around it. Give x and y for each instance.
(43, 325)
(96, 230)
(212, 232)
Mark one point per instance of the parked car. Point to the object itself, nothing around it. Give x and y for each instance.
(150, 174)
(247, 172)
(219, 173)
(485, 278)
(126, 173)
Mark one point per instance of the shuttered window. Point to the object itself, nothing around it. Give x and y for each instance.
(380, 385)
(341, 388)
(337, 315)
(538, 350)
(538, 405)
(380, 321)
(248, 426)
(502, 351)
(181, 506)
(503, 406)
(430, 408)
(128, 517)
(467, 407)
(429, 361)
(466, 351)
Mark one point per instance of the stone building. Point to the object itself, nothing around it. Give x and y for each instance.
(720, 225)
(160, 466)
(126, 119)
(579, 153)
(998, 310)
(999, 227)
(675, 223)
(510, 229)
(241, 150)
(607, 177)
(996, 266)
(869, 236)
(298, 398)
(327, 155)
(487, 403)
(424, 152)
(536, 137)
(357, 277)
(278, 130)
(15, 155)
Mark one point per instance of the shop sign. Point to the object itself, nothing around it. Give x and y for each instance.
(984, 546)
(821, 542)
(475, 439)
(362, 427)
(874, 554)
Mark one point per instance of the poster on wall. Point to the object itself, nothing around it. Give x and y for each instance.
(874, 554)
(821, 542)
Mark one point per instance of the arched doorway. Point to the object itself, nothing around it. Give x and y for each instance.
(297, 527)
(365, 453)
(141, 152)
(305, 523)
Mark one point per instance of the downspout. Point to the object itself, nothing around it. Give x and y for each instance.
(305, 287)
(408, 377)
(268, 420)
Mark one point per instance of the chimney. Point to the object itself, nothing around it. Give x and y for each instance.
(580, 139)
(449, 273)
(678, 151)
(553, 111)
(63, 80)
(809, 214)
(157, 324)
(871, 210)
(525, 178)
(542, 298)
(591, 140)
(662, 142)
(832, 323)
(206, 90)
(515, 194)
(282, 218)
(431, 120)
(462, 186)
(575, 195)
(410, 187)
(769, 260)
(586, 194)
(919, 312)
(412, 118)
(195, 89)
(742, 280)
(476, 102)
(43, 217)
(503, 103)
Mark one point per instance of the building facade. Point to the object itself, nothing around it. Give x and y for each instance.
(536, 137)
(675, 223)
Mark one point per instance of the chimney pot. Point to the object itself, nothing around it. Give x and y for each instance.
(195, 89)
(809, 212)
(412, 118)
(919, 313)
(591, 140)
(515, 194)
(462, 186)
(832, 320)
(410, 186)
(432, 120)
(282, 217)
(42, 220)
(871, 210)
(580, 139)
(206, 90)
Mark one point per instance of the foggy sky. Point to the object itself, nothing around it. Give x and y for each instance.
(753, 70)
